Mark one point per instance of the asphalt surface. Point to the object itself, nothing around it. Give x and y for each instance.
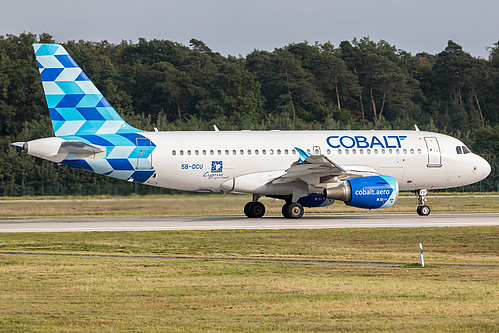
(239, 222)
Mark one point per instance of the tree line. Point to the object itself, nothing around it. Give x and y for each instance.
(359, 84)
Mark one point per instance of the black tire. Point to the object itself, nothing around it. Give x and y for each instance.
(254, 209)
(247, 208)
(423, 210)
(292, 210)
(285, 210)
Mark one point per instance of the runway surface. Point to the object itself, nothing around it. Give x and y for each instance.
(240, 222)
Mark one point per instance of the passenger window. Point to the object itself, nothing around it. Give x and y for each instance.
(361, 151)
(329, 151)
(256, 152)
(226, 152)
(375, 151)
(196, 152)
(346, 151)
(188, 152)
(419, 150)
(466, 150)
(249, 151)
(204, 152)
(271, 152)
(212, 152)
(382, 151)
(286, 151)
(308, 151)
(339, 151)
(174, 152)
(219, 152)
(234, 152)
(293, 151)
(181, 152)
(264, 152)
(354, 151)
(369, 151)
(458, 149)
(241, 152)
(405, 151)
(278, 152)
(412, 151)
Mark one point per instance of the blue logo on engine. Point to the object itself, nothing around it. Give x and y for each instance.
(217, 166)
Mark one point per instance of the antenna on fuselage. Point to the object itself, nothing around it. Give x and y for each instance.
(216, 128)
(416, 128)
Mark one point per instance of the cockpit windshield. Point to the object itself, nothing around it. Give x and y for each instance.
(462, 150)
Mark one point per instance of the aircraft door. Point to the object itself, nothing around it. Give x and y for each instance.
(433, 148)
(144, 154)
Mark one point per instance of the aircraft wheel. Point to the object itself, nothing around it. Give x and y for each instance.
(254, 209)
(292, 210)
(246, 208)
(285, 210)
(423, 210)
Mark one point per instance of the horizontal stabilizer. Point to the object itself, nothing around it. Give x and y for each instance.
(56, 149)
(83, 150)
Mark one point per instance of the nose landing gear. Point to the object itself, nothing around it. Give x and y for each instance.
(423, 210)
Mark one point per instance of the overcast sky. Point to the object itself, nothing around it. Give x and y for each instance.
(238, 27)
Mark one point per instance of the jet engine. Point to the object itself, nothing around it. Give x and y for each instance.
(365, 192)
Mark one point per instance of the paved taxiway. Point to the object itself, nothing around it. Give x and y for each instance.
(240, 222)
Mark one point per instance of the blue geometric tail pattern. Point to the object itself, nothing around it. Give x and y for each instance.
(80, 113)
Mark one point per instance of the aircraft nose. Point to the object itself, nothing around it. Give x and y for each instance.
(482, 168)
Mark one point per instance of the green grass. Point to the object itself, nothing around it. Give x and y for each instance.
(79, 294)
(233, 280)
(215, 205)
(456, 246)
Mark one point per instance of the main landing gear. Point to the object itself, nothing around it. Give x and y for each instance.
(423, 210)
(254, 209)
(290, 210)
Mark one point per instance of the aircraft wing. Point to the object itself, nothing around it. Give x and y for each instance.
(311, 170)
(317, 169)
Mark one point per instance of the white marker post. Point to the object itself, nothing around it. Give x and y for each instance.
(421, 254)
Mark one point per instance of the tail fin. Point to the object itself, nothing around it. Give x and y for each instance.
(76, 106)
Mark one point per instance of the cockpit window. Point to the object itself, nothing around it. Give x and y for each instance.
(459, 150)
(466, 150)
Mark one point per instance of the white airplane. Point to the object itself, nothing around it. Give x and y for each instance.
(365, 169)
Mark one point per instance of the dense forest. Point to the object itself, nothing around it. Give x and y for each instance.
(359, 84)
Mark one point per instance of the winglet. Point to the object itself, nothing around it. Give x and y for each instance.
(303, 154)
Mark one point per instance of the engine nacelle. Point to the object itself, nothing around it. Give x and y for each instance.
(315, 200)
(366, 192)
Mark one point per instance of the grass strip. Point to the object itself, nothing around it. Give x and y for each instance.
(215, 205)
